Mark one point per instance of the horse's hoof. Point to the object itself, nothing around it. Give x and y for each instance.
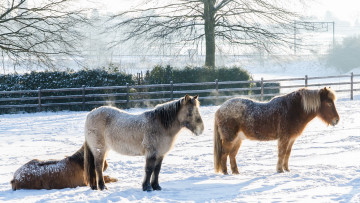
(147, 188)
(93, 187)
(235, 173)
(102, 187)
(156, 187)
(280, 171)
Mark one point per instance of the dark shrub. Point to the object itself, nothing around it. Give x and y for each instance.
(267, 91)
(56, 80)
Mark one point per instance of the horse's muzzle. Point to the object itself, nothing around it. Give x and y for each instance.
(335, 121)
(199, 130)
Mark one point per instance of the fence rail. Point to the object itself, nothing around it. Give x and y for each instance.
(132, 94)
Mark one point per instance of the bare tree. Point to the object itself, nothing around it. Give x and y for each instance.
(257, 23)
(36, 32)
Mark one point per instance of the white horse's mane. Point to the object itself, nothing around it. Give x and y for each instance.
(167, 112)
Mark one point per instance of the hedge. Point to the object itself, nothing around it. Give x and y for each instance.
(267, 91)
(163, 75)
(56, 80)
(96, 78)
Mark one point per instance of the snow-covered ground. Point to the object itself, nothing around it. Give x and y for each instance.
(325, 164)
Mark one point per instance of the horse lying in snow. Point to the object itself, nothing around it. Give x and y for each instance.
(283, 119)
(53, 174)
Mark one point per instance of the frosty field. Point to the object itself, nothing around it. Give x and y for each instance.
(324, 164)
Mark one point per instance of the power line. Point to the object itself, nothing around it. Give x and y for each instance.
(312, 26)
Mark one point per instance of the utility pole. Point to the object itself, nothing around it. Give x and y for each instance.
(294, 37)
(333, 24)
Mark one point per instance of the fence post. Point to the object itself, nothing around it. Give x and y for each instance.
(306, 80)
(127, 95)
(216, 90)
(352, 86)
(262, 89)
(39, 99)
(172, 90)
(83, 97)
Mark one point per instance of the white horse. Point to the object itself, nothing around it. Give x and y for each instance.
(151, 133)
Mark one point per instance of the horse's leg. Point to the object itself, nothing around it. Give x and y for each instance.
(226, 148)
(149, 169)
(287, 155)
(105, 165)
(155, 176)
(92, 176)
(229, 144)
(282, 148)
(232, 156)
(99, 166)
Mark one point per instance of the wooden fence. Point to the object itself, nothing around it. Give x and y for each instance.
(126, 95)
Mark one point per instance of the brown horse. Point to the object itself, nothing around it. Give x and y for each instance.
(151, 134)
(53, 174)
(283, 119)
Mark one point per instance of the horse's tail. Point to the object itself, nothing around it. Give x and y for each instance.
(89, 166)
(217, 147)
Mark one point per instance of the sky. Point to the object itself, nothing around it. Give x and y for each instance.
(345, 10)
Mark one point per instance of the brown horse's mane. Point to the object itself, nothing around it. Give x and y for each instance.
(166, 113)
(78, 157)
(310, 99)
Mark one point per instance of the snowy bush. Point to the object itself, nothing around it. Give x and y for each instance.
(163, 75)
(345, 56)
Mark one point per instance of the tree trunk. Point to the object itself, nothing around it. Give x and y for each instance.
(209, 18)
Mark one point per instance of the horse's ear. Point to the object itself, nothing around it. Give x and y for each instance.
(327, 92)
(325, 89)
(187, 98)
(196, 97)
(324, 92)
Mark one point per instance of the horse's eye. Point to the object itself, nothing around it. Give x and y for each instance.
(329, 104)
